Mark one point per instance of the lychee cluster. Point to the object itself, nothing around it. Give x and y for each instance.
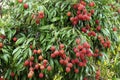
(97, 77)
(2, 37)
(82, 13)
(38, 16)
(81, 52)
(38, 65)
(104, 42)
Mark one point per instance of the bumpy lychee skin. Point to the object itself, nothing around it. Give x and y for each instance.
(31, 69)
(97, 75)
(41, 15)
(96, 50)
(42, 67)
(67, 69)
(53, 55)
(97, 21)
(49, 68)
(1, 44)
(115, 29)
(61, 61)
(41, 75)
(40, 58)
(68, 13)
(52, 48)
(84, 30)
(98, 28)
(77, 41)
(26, 63)
(70, 65)
(80, 64)
(12, 74)
(56, 53)
(45, 61)
(61, 46)
(26, 6)
(118, 11)
(77, 54)
(76, 70)
(39, 51)
(20, 1)
(91, 4)
(35, 51)
(14, 39)
(31, 58)
(37, 21)
(85, 79)
(37, 66)
(2, 36)
(92, 11)
(31, 46)
(30, 74)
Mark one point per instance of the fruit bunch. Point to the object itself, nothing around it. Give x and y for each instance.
(2, 37)
(25, 5)
(97, 77)
(47, 25)
(85, 16)
(69, 62)
(105, 42)
(35, 16)
(38, 16)
(73, 63)
(82, 13)
(37, 64)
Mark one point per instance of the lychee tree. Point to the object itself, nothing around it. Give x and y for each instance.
(64, 39)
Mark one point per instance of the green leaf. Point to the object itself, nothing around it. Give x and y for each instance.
(44, 27)
(34, 43)
(52, 63)
(17, 54)
(6, 57)
(48, 46)
(55, 19)
(15, 50)
(19, 61)
(26, 53)
(13, 32)
(30, 52)
(7, 74)
(63, 6)
(20, 41)
(20, 67)
(9, 35)
(5, 51)
(2, 31)
(41, 37)
(29, 40)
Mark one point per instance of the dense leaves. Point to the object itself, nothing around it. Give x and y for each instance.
(59, 39)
